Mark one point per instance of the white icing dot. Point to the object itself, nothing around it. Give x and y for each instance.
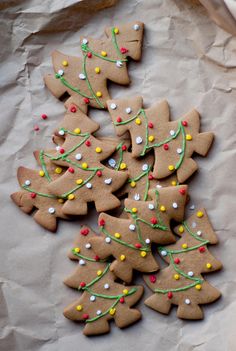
(82, 262)
(58, 147)
(108, 181)
(108, 240)
(89, 185)
(61, 132)
(27, 182)
(151, 206)
(158, 186)
(78, 157)
(106, 286)
(192, 207)
(92, 298)
(119, 64)
(163, 253)
(112, 162)
(172, 132)
(113, 106)
(128, 110)
(137, 197)
(98, 312)
(85, 41)
(132, 227)
(60, 72)
(88, 246)
(194, 224)
(187, 301)
(199, 233)
(139, 140)
(82, 76)
(179, 151)
(145, 167)
(136, 27)
(175, 205)
(190, 274)
(147, 241)
(51, 210)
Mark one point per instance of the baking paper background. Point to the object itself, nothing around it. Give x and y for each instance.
(186, 59)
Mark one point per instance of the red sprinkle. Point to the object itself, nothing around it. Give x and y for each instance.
(62, 151)
(36, 128)
(85, 316)
(44, 116)
(138, 246)
(185, 123)
(202, 249)
(169, 295)
(182, 191)
(33, 195)
(154, 220)
(86, 100)
(150, 177)
(123, 50)
(152, 279)
(119, 119)
(82, 284)
(89, 55)
(166, 147)
(88, 143)
(124, 147)
(73, 109)
(97, 258)
(101, 222)
(71, 170)
(99, 173)
(84, 231)
(177, 260)
(122, 300)
(150, 125)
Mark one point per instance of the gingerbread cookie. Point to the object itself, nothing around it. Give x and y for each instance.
(85, 79)
(36, 195)
(173, 142)
(129, 240)
(181, 283)
(102, 298)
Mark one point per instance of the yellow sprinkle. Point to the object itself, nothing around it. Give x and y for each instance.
(171, 167)
(151, 138)
(98, 150)
(138, 121)
(79, 307)
(77, 130)
(174, 183)
(65, 63)
(181, 229)
(133, 184)
(71, 197)
(112, 311)
(176, 276)
(60, 201)
(198, 286)
(97, 70)
(79, 181)
(189, 137)
(143, 254)
(41, 173)
(123, 165)
(103, 53)
(122, 257)
(84, 165)
(134, 210)
(208, 265)
(184, 246)
(117, 235)
(58, 170)
(199, 214)
(98, 93)
(162, 208)
(125, 291)
(77, 249)
(99, 272)
(116, 30)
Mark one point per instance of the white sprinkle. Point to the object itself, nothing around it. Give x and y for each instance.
(147, 241)
(137, 197)
(132, 227)
(151, 206)
(199, 233)
(128, 110)
(187, 301)
(136, 27)
(113, 106)
(194, 224)
(78, 157)
(179, 151)
(164, 253)
(82, 76)
(158, 186)
(61, 132)
(88, 246)
(119, 64)
(190, 274)
(106, 286)
(192, 207)
(58, 147)
(174, 205)
(172, 132)
(112, 162)
(51, 210)
(139, 140)
(145, 167)
(82, 262)
(108, 240)
(60, 72)
(98, 312)
(108, 181)
(92, 298)
(89, 185)
(85, 41)
(27, 182)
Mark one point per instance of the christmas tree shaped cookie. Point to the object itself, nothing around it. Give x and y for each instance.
(85, 78)
(129, 240)
(36, 195)
(102, 298)
(173, 142)
(181, 283)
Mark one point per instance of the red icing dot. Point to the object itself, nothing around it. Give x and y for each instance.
(152, 279)
(71, 170)
(177, 260)
(88, 143)
(154, 220)
(85, 316)
(150, 177)
(73, 109)
(119, 119)
(138, 246)
(166, 147)
(89, 55)
(33, 195)
(97, 258)
(36, 128)
(202, 249)
(44, 116)
(185, 123)
(62, 150)
(84, 231)
(169, 295)
(182, 191)
(123, 50)
(101, 222)
(82, 284)
(99, 173)
(86, 100)
(122, 300)
(150, 125)
(124, 147)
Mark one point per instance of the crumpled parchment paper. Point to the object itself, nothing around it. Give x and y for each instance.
(186, 59)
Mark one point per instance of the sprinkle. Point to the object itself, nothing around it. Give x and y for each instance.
(92, 298)
(101, 222)
(128, 110)
(61, 150)
(152, 279)
(78, 157)
(143, 254)
(71, 197)
(181, 229)
(117, 235)
(99, 173)
(179, 151)
(112, 162)
(71, 170)
(51, 210)
(113, 106)
(122, 300)
(124, 147)
(154, 220)
(82, 76)
(86, 100)
(103, 53)
(57, 148)
(169, 294)
(190, 274)
(150, 125)
(98, 94)
(123, 165)
(116, 30)
(88, 143)
(36, 128)
(171, 167)
(107, 240)
(122, 257)
(199, 233)
(44, 116)
(182, 191)
(176, 276)
(97, 70)
(151, 206)
(173, 183)
(177, 260)
(108, 181)
(106, 286)
(60, 72)
(119, 64)
(61, 132)
(79, 307)
(82, 262)
(138, 121)
(198, 286)
(194, 224)
(192, 207)
(58, 170)
(208, 265)
(123, 50)
(136, 197)
(79, 181)
(27, 182)
(82, 284)
(184, 123)
(134, 210)
(77, 130)
(133, 184)
(175, 205)
(184, 246)
(172, 132)
(99, 272)
(201, 249)
(84, 165)
(145, 167)
(189, 137)
(132, 227)
(163, 253)
(138, 246)
(84, 232)
(73, 109)
(119, 119)
(136, 27)
(90, 55)
(125, 291)
(166, 147)
(162, 209)
(77, 249)
(85, 41)
(112, 311)
(64, 63)
(85, 316)
(98, 150)
(33, 195)
(151, 138)
(158, 186)
(89, 186)
(98, 312)
(139, 140)
(187, 301)
(200, 214)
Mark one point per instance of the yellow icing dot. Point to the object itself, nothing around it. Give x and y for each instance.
(184, 246)
(199, 214)
(97, 70)
(99, 272)
(198, 286)
(60, 201)
(98, 94)
(77, 249)
(138, 121)
(64, 63)
(123, 165)
(116, 30)
(122, 257)
(151, 138)
(58, 170)
(103, 53)
(134, 210)
(133, 184)
(181, 229)
(143, 254)
(171, 167)
(98, 150)
(125, 291)
(112, 311)
(41, 173)
(77, 130)
(79, 307)
(84, 165)
(174, 183)
(71, 197)
(79, 181)
(162, 208)
(117, 235)
(209, 265)
(189, 137)
(176, 276)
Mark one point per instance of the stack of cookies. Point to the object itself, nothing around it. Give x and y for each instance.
(148, 164)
